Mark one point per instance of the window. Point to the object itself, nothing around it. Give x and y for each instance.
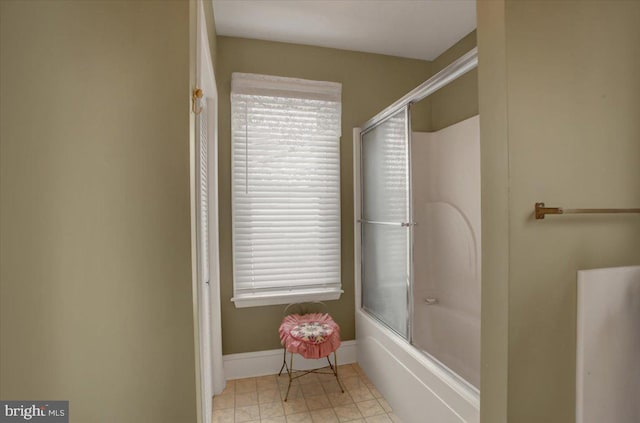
(285, 189)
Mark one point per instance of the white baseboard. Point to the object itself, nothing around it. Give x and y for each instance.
(262, 363)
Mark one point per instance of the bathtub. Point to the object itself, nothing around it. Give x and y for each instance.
(418, 388)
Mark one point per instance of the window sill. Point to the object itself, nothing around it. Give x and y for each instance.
(266, 299)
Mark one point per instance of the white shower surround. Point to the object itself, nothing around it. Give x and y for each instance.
(416, 385)
(446, 247)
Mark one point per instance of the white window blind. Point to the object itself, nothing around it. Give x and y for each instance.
(285, 189)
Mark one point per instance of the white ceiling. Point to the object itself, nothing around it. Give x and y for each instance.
(419, 29)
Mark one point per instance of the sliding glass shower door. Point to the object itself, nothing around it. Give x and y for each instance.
(386, 222)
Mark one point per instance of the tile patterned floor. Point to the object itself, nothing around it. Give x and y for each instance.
(313, 399)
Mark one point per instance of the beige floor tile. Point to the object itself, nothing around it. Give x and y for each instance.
(294, 406)
(283, 379)
(385, 405)
(313, 398)
(394, 418)
(361, 394)
(370, 408)
(268, 382)
(267, 396)
(224, 416)
(347, 370)
(299, 418)
(374, 391)
(331, 386)
(294, 393)
(312, 389)
(318, 402)
(229, 387)
(273, 409)
(326, 377)
(246, 385)
(365, 379)
(324, 416)
(347, 412)
(248, 413)
(268, 386)
(224, 401)
(383, 418)
(309, 379)
(338, 399)
(304, 378)
(248, 398)
(352, 382)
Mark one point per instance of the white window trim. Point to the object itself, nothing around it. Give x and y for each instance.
(278, 297)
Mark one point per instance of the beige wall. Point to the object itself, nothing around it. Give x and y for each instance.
(211, 29)
(95, 278)
(569, 80)
(494, 171)
(454, 102)
(458, 100)
(369, 83)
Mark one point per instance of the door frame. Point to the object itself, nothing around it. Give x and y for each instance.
(210, 378)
